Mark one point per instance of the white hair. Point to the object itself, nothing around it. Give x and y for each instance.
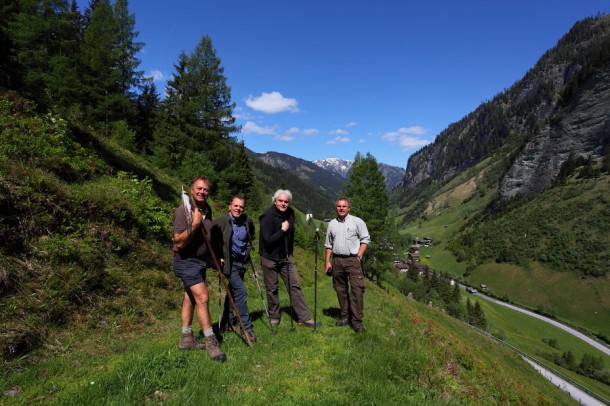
(281, 192)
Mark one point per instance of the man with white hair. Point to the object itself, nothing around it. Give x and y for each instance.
(276, 248)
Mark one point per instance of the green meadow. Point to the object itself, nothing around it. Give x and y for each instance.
(528, 334)
(408, 354)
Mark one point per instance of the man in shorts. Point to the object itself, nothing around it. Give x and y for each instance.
(191, 256)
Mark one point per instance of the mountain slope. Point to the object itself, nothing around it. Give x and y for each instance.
(311, 187)
(519, 188)
(327, 182)
(538, 116)
(393, 175)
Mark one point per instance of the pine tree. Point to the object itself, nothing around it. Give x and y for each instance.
(469, 313)
(238, 177)
(479, 319)
(9, 69)
(147, 109)
(109, 65)
(369, 200)
(198, 104)
(41, 33)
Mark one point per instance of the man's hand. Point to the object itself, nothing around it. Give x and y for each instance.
(197, 217)
(285, 225)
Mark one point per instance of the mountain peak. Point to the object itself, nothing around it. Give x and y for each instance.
(337, 165)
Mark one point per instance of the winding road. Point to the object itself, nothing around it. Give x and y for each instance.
(575, 392)
(555, 323)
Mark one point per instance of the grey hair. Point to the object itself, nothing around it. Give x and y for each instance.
(281, 192)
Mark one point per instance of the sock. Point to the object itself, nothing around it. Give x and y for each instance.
(208, 332)
(187, 330)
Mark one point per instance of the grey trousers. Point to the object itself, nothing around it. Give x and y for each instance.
(285, 268)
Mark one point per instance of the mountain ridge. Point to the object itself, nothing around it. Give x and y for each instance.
(535, 115)
(329, 175)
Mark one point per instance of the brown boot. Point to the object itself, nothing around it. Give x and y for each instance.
(214, 350)
(188, 342)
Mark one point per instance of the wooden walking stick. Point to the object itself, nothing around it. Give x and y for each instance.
(186, 200)
(226, 286)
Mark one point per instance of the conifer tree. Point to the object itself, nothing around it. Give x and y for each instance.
(147, 109)
(109, 64)
(370, 201)
(43, 37)
(238, 177)
(9, 71)
(198, 103)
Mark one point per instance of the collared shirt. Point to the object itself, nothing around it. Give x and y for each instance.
(344, 237)
(239, 238)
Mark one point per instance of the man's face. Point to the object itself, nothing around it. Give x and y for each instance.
(282, 202)
(342, 208)
(200, 191)
(236, 208)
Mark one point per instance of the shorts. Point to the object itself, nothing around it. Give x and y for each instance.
(190, 270)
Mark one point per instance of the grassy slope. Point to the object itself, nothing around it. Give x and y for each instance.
(527, 333)
(585, 303)
(581, 302)
(114, 343)
(409, 354)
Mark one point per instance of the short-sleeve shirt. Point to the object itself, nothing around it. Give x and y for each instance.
(197, 247)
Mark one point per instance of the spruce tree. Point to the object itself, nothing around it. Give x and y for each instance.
(108, 62)
(198, 104)
(41, 34)
(147, 109)
(369, 199)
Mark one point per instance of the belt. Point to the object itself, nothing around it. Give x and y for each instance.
(343, 256)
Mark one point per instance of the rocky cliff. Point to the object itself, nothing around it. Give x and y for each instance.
(560, 107)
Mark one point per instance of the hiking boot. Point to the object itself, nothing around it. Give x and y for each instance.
(228, 329)
(309, 323)
(189, 342)
(342, 322)
(252, 337)
(214, 350)
(357, 327)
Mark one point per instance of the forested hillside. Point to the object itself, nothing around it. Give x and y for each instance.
(519, 187)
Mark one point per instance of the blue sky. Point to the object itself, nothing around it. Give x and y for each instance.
(325, 79)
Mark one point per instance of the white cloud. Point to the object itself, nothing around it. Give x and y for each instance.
(351, 124)
(293, 130)
(406, 137)
(310, 131)
(338, 140)
(404, 131)
(271, 103)
(156, 75)
(253, 128)
(284, 138)
(338, 132)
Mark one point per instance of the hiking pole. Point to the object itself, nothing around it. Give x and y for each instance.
(315, 282)
(226, 286)
(255, 276)
(220, 308)
(292, 329)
